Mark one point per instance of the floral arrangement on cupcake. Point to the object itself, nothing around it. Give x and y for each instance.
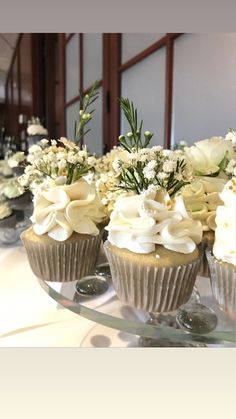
(64, 202)
(152, 240)
(151, 212)
(213, 162)
(65, 238)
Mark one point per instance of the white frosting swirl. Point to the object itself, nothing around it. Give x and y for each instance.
(139, 222)
(36, 129)
(5, 211)
(201, 198)
(225, 235)
(63, 209)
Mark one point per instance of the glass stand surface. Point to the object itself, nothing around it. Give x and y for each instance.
(107, 310)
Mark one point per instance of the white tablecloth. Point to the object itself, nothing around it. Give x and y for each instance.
(28, 316)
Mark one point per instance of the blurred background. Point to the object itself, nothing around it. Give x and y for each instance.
(184, 85)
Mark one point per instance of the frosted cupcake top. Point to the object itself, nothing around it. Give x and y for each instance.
(63, 209)
(36, 129)
(225, 234)
(5, 211)
(140, 222)
(201, 198)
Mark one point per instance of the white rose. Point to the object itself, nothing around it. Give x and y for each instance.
(206, 155)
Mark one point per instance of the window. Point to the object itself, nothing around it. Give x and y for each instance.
(182, 84)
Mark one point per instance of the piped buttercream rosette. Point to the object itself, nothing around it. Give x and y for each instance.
(63, 209)
(140, 222)
(202, 198)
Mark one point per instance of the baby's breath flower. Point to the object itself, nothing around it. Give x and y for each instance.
(34, 149)
(169, 166)
(55, 162)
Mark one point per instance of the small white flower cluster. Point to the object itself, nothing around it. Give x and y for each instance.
(65, 163)
(152, 166)
(15, 159)
(231, 135)
(231, 168)
(106, 178)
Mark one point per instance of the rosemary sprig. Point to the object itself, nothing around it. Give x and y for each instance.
(85, 114)
(133, 139)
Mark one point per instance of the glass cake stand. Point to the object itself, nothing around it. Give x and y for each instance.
(107, 310)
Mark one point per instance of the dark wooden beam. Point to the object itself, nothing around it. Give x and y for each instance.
(61, 80)
(143, 54)
(168, 91)
(115, 60)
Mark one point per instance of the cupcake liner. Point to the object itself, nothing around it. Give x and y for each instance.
(34, 139)
(151, 288)
(204, 267)
(8, 222)
(62, 261)
(21, 201)
(223, 284)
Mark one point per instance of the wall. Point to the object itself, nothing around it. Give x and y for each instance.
(204, 86)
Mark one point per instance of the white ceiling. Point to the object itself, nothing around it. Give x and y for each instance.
(7, 45)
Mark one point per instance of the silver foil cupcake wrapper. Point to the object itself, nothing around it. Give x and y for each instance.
(223, 284)
(63, 261)
(151, 288)
(204, 267)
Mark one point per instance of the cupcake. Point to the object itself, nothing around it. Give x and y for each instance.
(222, 259)
(64, 240)
(152, 251)
(201, 199)
(15, 161)
(36, 132)
(7, 217)
(17, 196)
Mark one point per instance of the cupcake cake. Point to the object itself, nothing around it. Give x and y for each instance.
(35, 131)
(201, 199)
(152, 250)
(16, 195)
(16, 161)
(64, 240)
(222, 259)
